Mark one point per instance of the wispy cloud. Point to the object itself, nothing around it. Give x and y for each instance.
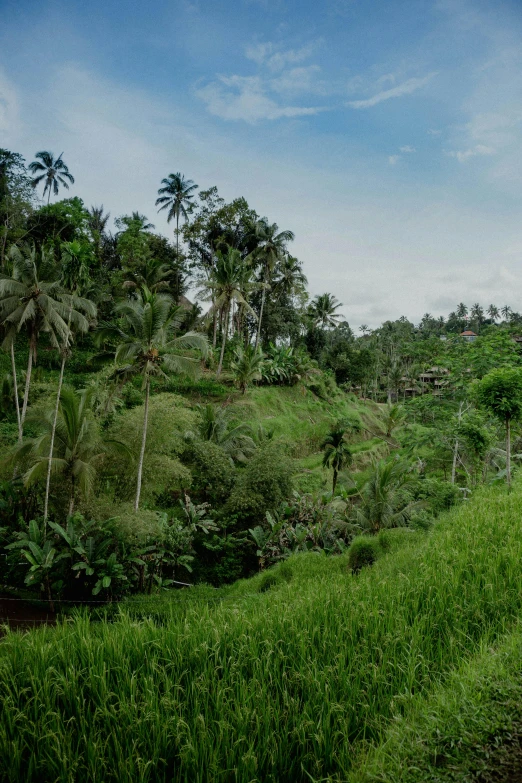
(275, 57)
(406, 88)
(393, 159)
(245, 98)
(407, 149)
(478, 150)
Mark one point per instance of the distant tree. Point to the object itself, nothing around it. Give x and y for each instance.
(337, 453)
(52, 171)
(506, 312)
(493, 312)
(217, 425)
(176, 197)
(323, 311)
(270, 249)
(462, 311)
(500, 393)
(385, 498)
(97, 221)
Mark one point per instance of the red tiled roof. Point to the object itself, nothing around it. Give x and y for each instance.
(468, 333)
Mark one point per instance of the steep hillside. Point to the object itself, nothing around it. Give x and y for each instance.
(281, 679)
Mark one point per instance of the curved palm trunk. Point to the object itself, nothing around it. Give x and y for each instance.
(51, 447)
(263, 295)
(27, 384)
(334, 482)
(143, 442)
(223, 340)
(17, 401)
(53, 430)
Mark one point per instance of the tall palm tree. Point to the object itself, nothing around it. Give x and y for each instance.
(218, 426)
(336, 450)
(176, 196)
(147, 346)
(506, 312)
(462, 310)
(75, 273)
(271, 248)
(386, 500)
(227, 285)
(97, 222)
(290, 280)
(31, 299)
(323, 311)
(78, 448)
(52, 171)
(493, 312)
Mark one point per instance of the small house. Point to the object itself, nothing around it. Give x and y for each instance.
(469, 336)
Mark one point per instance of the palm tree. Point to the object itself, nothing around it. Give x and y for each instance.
(365, 329)
(78, 447)
(506, 312)
(52, 171)
(32, 299)
(493, 312)
(290, 279)
(386, 500)
(176, 196)
(97, 222)
(462, 310)
(74, 273)
(336, 450)
(218, 426)
(227, 284)
(477, 313)
(246, 366)
(147, 346)
(323, 310)
(271, 248)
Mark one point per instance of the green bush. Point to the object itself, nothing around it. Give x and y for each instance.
(363, 551)
(262, 485)
(212, 473)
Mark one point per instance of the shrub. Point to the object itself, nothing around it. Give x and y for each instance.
(212, 472)
(262, 485)
(363, 552)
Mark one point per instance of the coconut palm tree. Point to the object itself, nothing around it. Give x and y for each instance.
(97, 222)
(493, 312)
(75, 273)
(336, 450)
(386, 500)
(78, 449)
(52, 171)
(217, 425)
(31, 299)
(227, 284)
(246, 366)
(270, 249)
(176, 197)
(290, 280)
(506, 312)
(462, 310)
(323, 311)
(147, 346)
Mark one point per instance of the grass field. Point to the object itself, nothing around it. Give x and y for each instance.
(295, 683)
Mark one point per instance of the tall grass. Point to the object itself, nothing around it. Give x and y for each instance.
(290, 684)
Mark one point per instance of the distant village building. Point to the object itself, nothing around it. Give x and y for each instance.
(469, 336)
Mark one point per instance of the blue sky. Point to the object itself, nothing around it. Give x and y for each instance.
(386, 133)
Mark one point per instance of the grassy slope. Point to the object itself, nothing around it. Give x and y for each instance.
(285, 685)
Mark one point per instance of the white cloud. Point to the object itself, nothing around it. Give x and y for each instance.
(406, 88)
(393, 159)
(479, 149)
(407, 149)
(245, 98)
(275, 57)
(299, 80)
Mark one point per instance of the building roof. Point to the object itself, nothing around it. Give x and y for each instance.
(468, 333)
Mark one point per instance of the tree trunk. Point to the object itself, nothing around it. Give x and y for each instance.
(508, 452)
(454, 462)
(334, 482)
(214, 336)
(73, 497)
(55, 420)
(17, 401)
(260, 318)
(27, 384)
(223, 340)
(51, 447)
(143, 442)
